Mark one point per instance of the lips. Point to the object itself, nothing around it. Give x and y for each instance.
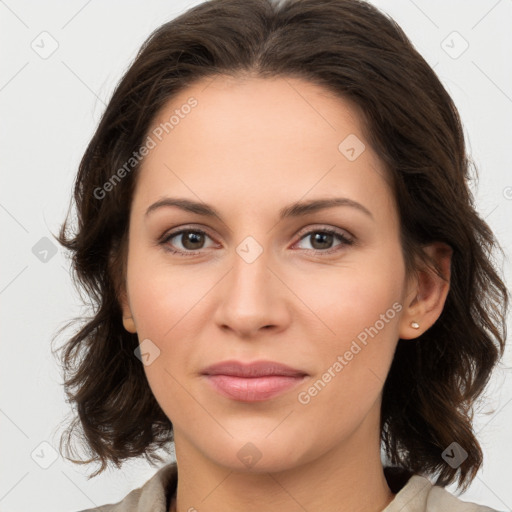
(251, 370)
(253, 382)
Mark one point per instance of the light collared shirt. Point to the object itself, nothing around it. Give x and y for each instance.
(417, 495)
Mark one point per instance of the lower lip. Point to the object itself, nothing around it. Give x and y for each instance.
(253, 389)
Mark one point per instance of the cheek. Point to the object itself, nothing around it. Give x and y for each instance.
(349, 298)
(164, 298)
(359, 304)
(168, 304)
(167, 309)
(353, 365)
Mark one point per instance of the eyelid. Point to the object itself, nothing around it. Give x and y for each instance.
(180, 230)
(345, 240)
(325, 227)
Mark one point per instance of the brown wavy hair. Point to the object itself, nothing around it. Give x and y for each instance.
(362, 55)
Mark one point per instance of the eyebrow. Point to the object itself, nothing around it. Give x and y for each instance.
(296, 209)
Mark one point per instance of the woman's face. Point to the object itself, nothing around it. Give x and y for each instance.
(263, 280)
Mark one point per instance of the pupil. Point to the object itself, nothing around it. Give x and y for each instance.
(322, 237)
(191, 238)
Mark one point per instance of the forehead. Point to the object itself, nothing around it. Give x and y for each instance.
(253, 109)
(281, 138)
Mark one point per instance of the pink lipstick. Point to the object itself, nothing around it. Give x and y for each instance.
(253, 382)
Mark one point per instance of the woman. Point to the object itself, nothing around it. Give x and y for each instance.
(275, 223)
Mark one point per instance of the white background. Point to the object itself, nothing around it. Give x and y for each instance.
(49, 110)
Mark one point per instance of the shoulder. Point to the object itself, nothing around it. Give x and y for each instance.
(151, 497)
(438, 496)
(420, 495)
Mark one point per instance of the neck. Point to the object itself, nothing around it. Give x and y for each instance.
(347, 478)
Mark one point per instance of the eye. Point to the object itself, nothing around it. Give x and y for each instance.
(191, 240)
(321, 240)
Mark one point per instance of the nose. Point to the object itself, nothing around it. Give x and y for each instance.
(252, 298)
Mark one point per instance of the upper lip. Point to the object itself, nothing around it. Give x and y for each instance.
(254, 369)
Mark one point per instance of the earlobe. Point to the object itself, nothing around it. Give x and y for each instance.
(428, 291)
(129, 324)
(128, 321)
(117, 267)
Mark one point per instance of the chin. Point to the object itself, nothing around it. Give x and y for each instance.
(255, 455)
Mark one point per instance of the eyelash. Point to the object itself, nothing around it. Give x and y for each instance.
(340, 236)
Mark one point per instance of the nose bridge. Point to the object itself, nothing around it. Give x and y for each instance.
(251, 297)
(250, 286)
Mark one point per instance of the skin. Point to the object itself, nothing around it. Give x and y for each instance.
(250, 147)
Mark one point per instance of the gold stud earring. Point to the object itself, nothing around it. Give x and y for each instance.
(415, 325)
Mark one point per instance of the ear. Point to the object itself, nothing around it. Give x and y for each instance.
(117, 268)
(128, 321)
(426, 292)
